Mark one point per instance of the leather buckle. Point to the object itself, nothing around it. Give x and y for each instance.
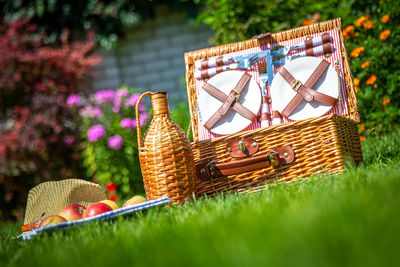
(237, 96)
(211, 168)
(296, 85)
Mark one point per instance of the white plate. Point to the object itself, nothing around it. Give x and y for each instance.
(302, 68)
(231, 122)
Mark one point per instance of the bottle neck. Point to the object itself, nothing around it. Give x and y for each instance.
(159, 103)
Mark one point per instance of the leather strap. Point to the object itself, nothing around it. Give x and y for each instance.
(305, 91)
(326, 38)
(228, 101)
(281, 156)
(266, 116)
(260, 36)
(266, 99)
(308, 43)
(247, 165)
(276, 114)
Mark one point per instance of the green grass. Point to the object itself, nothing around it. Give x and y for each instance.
(348, 219)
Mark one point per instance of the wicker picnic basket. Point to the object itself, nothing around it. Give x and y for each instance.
(285, 152)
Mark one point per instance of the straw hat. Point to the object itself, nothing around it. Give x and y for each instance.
(50, 198)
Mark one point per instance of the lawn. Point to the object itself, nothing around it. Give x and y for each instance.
(348, 219)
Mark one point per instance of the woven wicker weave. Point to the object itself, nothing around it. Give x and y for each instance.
(320, 145)
(166, 158)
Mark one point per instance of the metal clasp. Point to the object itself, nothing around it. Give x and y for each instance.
(242, 146)
(237, 96)
(296, 85)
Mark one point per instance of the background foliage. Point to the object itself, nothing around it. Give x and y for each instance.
(107, 18)
(35, 121)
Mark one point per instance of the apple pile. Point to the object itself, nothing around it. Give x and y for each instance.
(76, 212)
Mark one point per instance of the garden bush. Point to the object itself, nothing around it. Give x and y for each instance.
(37, 130)
(109, 149)
(373, 44)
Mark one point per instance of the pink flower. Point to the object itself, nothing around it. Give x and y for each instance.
(91, 112)
(97, 112)
(122, 92)
(128, 123)
(104, 96)
(142, 107)
(96, 132)
(117, 105)
(73, 100)
(143, 117)
(115, 142)
(69, 140)
(131, 101)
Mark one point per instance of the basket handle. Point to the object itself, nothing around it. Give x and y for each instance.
(210, 170)
(138, 127)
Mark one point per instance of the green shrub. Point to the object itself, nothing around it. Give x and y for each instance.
(373, 43)
(109, 139)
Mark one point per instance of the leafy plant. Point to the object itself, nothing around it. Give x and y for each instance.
(109, 139)
(373, 45)
(106, 18)
(36, 128)
(235, 20)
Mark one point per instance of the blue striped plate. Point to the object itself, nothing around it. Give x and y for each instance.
(100, 217)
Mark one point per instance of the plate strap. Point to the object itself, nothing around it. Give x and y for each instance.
(305, 91)
(228, 101)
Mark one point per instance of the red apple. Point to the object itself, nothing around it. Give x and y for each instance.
(96, 209)
(110, 203)
(134, 201)
(73, 212)
(53, 219)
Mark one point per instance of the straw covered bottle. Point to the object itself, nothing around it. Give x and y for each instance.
(165, 154)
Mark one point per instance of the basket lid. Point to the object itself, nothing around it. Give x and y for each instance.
(232, 121)
(301, 69)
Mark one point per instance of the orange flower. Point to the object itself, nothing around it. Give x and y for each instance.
(361, 20)
(356, 89)
(369, 24)
(386, 101)
(366, 64)
(316, 16)
(356, 81)
(371, 80)
(384, 35)
(307, 22)
(362, 138)
(349, 32)
(385, 18)
(356, 51)
(362, 127)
